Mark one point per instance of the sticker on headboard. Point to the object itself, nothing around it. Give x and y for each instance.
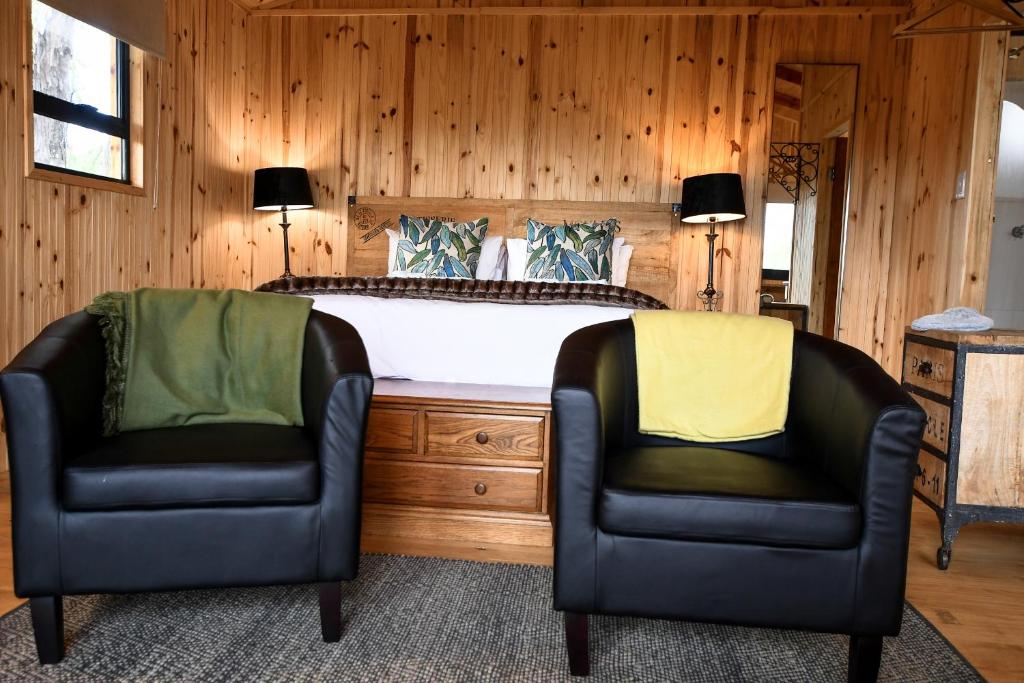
(365, 218)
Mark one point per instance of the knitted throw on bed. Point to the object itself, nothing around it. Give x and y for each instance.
(188, 356)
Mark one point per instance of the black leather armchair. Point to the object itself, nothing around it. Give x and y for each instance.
(188, 507)
(804, 530)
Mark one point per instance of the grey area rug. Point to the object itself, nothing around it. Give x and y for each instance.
(415, 619)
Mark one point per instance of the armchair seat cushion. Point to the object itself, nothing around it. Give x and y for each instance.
(713, 494)
(206, 465)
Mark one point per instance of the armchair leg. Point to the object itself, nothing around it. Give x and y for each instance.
(577, 643)
(330, 611)
(48, 625)
(865, 658)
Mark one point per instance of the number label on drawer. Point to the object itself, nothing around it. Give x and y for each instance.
(929, 367)
(930, 481)
(936, 429)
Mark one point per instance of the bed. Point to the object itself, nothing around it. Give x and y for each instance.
(454, 331)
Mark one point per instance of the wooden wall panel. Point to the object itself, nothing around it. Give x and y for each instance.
(541, 108)
(573, 108)
(60, 245)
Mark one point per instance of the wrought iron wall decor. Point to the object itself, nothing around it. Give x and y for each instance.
(794, 165)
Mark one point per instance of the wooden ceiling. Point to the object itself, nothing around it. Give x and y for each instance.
(262, 4)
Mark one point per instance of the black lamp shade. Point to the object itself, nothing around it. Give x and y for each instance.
(714, 197)
(280, 188)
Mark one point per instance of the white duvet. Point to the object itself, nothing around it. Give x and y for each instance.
(476, 343)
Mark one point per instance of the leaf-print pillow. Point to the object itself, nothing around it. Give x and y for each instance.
(441, 249)
(577, 252)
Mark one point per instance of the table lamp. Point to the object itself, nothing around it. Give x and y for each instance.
(712, 198)
(284, 189)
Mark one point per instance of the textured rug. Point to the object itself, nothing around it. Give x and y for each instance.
(414, 619)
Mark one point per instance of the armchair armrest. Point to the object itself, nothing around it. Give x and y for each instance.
(52, 395)
(587, 405)
(336, 391)
(863, 430)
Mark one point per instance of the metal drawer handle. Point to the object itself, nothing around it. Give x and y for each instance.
(481, 437)
(480, 488)
(925, 368)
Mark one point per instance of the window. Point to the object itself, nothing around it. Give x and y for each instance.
(778, 238)
(81, 82)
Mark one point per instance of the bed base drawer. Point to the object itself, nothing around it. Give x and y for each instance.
(456, 486)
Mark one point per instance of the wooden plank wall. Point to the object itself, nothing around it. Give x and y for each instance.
(61, 244)
(564, 108)
(539, 108)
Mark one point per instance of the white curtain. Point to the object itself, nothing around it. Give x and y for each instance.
(142, 23)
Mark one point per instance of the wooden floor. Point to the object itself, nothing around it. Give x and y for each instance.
(978, 604)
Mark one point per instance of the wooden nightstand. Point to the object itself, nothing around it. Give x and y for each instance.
(971, 464)
(458, 470)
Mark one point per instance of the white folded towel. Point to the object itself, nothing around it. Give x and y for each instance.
(960, 319)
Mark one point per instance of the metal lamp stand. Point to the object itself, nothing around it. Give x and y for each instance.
(709, 296)
(284, 228)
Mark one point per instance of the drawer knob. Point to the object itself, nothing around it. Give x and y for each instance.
(480, 488)
(925, 368)
(481, 437)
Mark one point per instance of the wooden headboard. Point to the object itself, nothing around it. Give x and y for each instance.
(649, 228)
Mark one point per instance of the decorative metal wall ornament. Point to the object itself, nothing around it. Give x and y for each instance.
(794, 165)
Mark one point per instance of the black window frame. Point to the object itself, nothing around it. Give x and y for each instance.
(87, 116)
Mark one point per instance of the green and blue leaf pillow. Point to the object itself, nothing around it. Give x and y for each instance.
(438, 249)
(577, 252)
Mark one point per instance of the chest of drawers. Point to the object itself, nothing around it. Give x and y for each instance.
(458, 470)
(971, 464)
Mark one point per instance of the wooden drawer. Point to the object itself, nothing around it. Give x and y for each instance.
(391, 429)
(930, 481)
(519, 437)
(929, 367)
(457, 486)
(936, 430)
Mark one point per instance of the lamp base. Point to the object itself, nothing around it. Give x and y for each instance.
(710, 298)
(284, 231)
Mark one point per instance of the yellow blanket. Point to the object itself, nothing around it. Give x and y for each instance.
(712, 376)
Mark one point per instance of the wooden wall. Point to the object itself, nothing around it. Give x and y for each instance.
(61, 244)
(568, 108)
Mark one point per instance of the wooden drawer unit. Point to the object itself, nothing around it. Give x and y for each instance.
(391, 429)
(458, 470)
(505, 436)
(971, 464)
(930, 481)
(453, 486)
(929, 367)
(936, 430)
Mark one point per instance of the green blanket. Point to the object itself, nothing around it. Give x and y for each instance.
(190, 356)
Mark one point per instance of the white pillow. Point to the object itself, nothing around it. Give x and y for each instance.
(487, 268)
(621, 255)
(516, 259)
(490, 253)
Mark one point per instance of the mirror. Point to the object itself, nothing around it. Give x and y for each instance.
(1004, 302)
(808, 192)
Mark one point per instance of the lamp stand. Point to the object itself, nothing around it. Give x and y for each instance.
(709, 296)
(284, 228)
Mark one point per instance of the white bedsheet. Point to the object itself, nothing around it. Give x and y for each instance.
(476, 343)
